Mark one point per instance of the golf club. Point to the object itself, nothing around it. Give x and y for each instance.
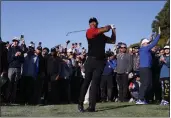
(74, 32)
(168, 41)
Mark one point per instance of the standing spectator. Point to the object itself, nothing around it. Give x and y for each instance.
(124, 67)
(45, 54)
(130, 51)
(165, 76)
(3, 58)
(38, 85)
(15, 59)
(145, 68)
(29, 76)
(107, 79)
(53, 71)
(136, 59)
(155, 68)
(3, 69)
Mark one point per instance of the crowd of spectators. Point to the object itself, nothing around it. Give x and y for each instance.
(33, 75)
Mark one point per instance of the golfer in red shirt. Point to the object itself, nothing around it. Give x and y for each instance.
(95, 62)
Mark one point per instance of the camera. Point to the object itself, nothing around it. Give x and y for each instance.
(40, 43)
(68, 42)
(22, 37)
(80, 44)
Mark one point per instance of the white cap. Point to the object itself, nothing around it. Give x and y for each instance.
(32, 45)
(166, 47)
(16, 38)
(69, 50)
(144, 41)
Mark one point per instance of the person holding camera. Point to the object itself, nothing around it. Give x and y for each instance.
(29, 76)
(15, 59)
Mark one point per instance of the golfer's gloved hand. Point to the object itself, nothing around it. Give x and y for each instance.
(112, 26)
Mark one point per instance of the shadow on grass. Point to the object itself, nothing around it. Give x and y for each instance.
(113, 107)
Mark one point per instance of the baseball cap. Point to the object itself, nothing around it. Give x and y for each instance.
(53, 50)
(15, 39)
(39, 48)
(32, 45)
(45, 48)
(145, 41)
(136, 47)
(166, 47)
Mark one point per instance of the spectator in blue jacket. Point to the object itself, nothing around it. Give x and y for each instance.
(145, 68)
(107, 79)
(165, 76)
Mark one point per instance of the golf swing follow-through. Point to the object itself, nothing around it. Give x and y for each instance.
(95, 62)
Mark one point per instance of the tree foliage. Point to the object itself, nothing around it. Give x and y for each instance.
(135, 44)
(163, 20)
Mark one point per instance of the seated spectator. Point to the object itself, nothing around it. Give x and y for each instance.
(134, 88)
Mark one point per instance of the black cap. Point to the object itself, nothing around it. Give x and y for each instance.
(122, 44)
(45, 48)
(53, 50)
(93, 20)
(137, 74)
(136, 47)
(39, 48)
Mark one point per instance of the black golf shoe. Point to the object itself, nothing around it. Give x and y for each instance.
(80, 108)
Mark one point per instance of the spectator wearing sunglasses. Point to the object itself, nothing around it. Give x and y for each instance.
(124, 67)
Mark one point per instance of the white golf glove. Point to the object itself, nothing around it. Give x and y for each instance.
(112, 26)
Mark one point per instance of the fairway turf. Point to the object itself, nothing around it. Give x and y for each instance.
(104, 110)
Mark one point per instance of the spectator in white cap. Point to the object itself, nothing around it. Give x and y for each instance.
(145, 68)
(15, 59)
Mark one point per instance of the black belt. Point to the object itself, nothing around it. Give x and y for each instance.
(96, 58)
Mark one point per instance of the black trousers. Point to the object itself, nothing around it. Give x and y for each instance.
(122, 80)
(38, 86)
(165, 82)
(27, 89)
(115, 87)
(106, 86)
(75, 88)
(156, 87)
(93, 71)
(45, 90)
(146, 83)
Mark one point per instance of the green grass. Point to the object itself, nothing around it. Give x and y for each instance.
(104, 110)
